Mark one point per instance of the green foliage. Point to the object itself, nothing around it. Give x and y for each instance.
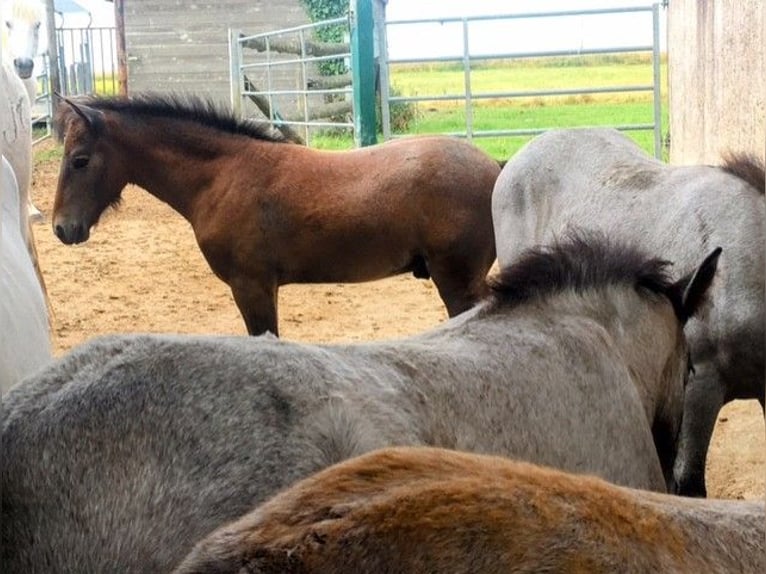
(320, 10)
(403, 114)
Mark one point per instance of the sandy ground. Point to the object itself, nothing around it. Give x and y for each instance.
(141, 270)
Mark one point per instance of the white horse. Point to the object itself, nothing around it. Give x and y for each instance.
(23, 23)
(22, 31)
(24, 325)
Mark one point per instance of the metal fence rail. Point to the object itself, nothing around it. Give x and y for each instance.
(42, 112)
(87, 65)
(278, 73)
(87, 60)
(469, 95)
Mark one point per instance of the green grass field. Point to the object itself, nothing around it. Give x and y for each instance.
(435, 116)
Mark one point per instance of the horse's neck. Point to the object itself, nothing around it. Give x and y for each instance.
(173, 160)
(16, 141)
(30, 85)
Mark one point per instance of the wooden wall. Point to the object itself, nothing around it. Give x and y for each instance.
(182, 46)
(717, 78)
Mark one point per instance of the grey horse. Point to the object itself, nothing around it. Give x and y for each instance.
(422, 510)
(599, 179)
(127, 451)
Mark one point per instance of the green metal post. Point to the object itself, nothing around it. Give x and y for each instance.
(363, 72)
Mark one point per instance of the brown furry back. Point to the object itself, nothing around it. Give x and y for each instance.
(424, 510)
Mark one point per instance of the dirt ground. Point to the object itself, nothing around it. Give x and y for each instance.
(141, 270)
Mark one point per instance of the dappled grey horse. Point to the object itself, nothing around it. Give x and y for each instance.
(130, 449)
(599, 179)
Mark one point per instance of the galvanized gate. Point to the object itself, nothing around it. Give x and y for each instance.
(277, 72)
(470, 96)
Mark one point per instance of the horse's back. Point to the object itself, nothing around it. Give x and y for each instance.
(597, 178)
(413, 167)
(158, 432)
(600, 179)
(395, 509)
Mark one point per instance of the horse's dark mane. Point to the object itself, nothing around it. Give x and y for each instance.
(579, 262)
(746, 166)
(182, 107)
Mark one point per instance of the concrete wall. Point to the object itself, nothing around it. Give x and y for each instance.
(182, 46)
(717, 79)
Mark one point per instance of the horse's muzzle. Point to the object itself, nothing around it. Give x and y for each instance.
(24, 67)
(71, 233)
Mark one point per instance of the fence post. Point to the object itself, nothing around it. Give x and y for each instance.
(384, 86)
(235, 75)
(363, 71)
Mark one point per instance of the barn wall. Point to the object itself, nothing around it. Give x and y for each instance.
(716, 71)
(182, 46)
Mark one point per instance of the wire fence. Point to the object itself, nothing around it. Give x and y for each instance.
(87, 64)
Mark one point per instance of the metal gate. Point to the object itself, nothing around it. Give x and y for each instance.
(276, 76)
(470, 96)
(290, 92)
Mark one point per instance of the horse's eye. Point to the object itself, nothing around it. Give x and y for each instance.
(37, 25)
(80, 161)
(8, 24)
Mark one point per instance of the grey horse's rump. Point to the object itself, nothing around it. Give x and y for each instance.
(599, 179)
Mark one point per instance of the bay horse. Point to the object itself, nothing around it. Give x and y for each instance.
(131, 448)
(266, 212)
(599, 179)
(422, 510)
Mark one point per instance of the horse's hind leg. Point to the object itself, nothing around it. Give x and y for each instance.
(461, 283)
(257, 304)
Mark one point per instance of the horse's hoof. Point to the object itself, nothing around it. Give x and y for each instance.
(36, 217)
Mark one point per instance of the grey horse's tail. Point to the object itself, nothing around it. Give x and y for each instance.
(747, 167)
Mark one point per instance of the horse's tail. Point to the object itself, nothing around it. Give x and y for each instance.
(747, 167)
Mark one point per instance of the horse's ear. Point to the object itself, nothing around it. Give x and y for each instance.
(91, 117)
(691, 291)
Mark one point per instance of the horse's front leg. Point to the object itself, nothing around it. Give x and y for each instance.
(703, 400)
(257, 303)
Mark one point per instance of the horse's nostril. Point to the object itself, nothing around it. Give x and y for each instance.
(24, 67)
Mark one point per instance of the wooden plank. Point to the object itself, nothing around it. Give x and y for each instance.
(174, 44)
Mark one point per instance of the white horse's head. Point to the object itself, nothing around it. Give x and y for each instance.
(23, 23)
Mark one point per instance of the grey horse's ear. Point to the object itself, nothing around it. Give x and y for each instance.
(691, 291)
(93, 118)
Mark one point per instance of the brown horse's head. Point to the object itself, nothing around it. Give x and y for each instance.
(87, 184)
